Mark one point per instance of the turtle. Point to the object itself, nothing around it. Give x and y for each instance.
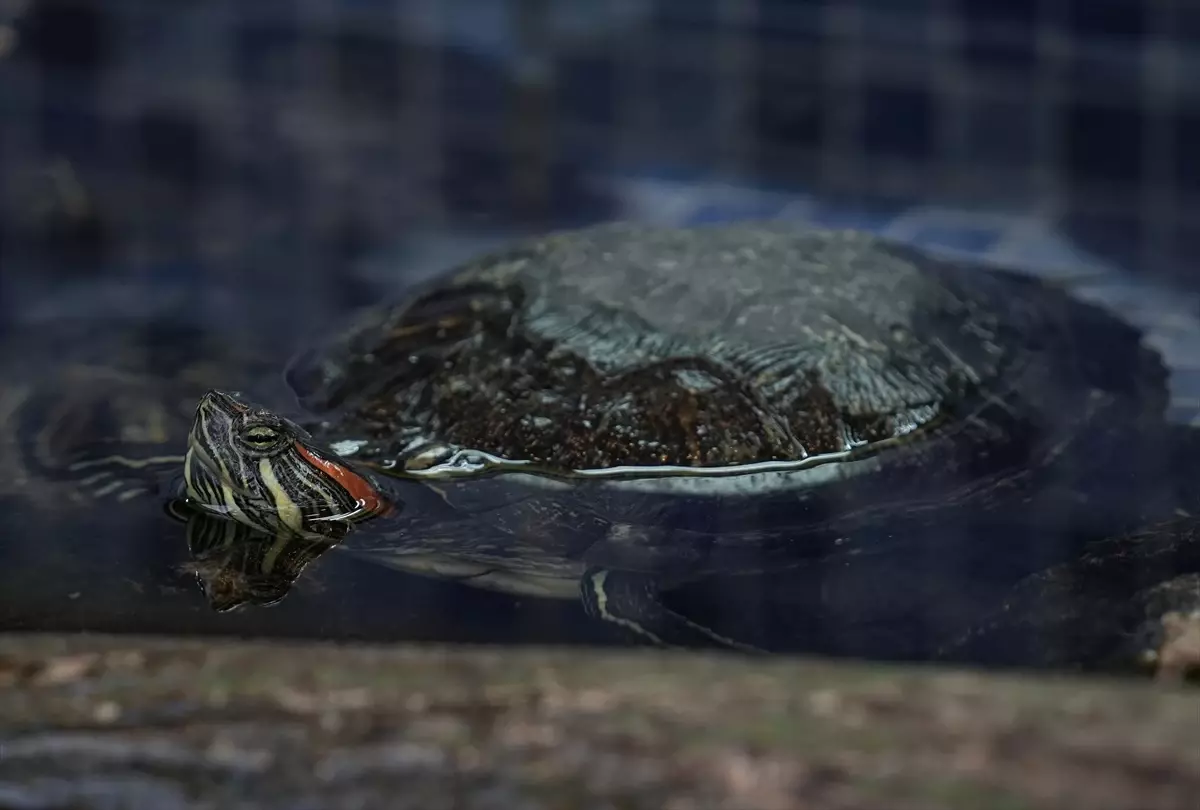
(606, 413)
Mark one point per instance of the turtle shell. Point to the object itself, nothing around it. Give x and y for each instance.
(738, 359)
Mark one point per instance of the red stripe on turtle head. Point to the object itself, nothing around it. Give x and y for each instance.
(358, 487)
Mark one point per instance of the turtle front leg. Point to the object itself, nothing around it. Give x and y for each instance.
(631, 601)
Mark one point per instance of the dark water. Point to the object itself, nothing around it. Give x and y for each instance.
(127, 568)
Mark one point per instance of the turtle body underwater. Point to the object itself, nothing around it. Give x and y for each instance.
(604, 414)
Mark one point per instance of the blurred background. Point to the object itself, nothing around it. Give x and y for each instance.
(222, 151)
(261, 168)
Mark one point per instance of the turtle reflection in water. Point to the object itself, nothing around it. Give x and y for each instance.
(606, 413)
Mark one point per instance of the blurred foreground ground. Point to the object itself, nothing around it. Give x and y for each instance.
(138, 723)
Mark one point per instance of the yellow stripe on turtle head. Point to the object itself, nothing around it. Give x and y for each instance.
(289, 513)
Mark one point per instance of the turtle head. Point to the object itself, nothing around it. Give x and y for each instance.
(253, 466)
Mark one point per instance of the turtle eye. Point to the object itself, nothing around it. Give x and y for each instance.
(260, 437)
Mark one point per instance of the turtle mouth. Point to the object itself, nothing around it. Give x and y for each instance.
(198, 454)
